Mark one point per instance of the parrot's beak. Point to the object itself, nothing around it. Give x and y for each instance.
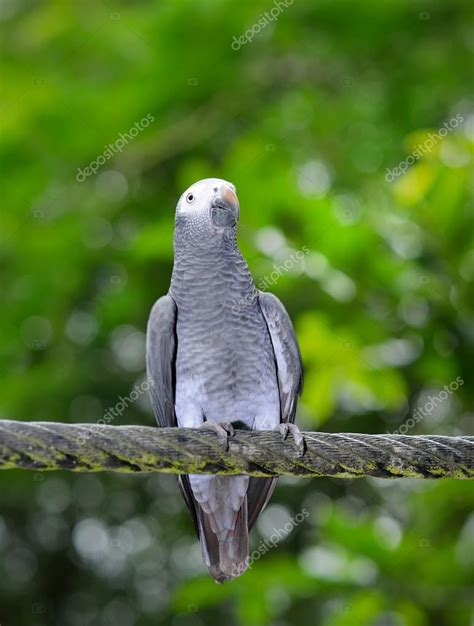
(226, 198)
(225, 207)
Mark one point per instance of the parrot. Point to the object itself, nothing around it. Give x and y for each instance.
(221, 354)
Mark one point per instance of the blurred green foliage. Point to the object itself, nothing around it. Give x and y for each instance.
(307, 119)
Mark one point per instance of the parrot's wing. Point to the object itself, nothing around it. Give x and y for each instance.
(160, 365)
(287, 354)
(160, 359)
(290, 381)
(258, 494)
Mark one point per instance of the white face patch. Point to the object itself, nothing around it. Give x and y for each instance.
(198, 198)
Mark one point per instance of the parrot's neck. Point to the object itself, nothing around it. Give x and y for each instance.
(212, 266)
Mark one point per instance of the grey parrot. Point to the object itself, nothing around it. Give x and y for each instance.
(221, 354)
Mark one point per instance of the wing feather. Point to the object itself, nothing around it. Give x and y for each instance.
(287, 354)
(160, 359)
(290, 381)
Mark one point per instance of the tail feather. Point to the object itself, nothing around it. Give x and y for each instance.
(224, 510)
(226, 558)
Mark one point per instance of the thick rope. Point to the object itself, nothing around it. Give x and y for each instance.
(84, 448)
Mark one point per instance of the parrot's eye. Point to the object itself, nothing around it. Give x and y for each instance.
(190, 198)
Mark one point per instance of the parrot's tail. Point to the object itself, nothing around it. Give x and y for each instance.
(225, 553)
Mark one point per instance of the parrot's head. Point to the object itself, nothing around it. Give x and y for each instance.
(210, 204)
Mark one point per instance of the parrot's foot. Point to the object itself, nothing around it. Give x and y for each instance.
(223, 430)
(298, 438)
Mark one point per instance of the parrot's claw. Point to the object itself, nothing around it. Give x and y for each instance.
(223, 430)
(286, 429)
